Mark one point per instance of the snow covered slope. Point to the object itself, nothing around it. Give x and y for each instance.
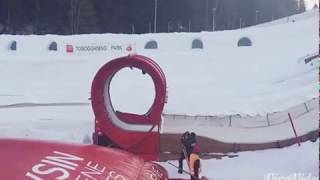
(288, 163)
(290, 19)
(220, 79)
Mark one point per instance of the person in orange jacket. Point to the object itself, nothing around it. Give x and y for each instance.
(188, 141)
(195, 163)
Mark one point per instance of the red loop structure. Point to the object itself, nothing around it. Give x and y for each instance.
(139, 134)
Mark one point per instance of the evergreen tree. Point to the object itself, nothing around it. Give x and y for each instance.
(83, 17)
(121, 16)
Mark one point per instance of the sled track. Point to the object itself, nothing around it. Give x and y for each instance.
(210, 147)
(25, 105)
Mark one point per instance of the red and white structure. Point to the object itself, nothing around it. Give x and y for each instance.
(138, 134)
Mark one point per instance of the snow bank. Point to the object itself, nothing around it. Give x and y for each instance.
(283, 163)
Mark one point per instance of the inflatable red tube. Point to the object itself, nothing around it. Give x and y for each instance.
(40, 160)
(138, 134)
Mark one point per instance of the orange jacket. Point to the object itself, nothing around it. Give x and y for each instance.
(193, 158)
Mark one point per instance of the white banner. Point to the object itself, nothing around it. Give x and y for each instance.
(101, 48)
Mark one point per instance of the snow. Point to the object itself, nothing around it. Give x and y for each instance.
(290, 19)
(303, 124)
(213, 81)
(260, 165)
(74, 122)
(60, 123)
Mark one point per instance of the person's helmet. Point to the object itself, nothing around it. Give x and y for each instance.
(185, 136)
(192, 135)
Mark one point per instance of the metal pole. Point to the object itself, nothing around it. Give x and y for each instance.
(8, 21)
(169, 26)
(207, 15)
(189, 26)
(294, 129)
(305, 105)
(268, 120)
(72, 17)
(187, 172)
(240, 24)
(257, 16)
(230, 119)
(132, 29)
(155, 15)
(213, 19)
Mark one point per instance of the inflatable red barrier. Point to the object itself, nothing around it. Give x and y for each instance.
(138, 134)
(39, 160)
